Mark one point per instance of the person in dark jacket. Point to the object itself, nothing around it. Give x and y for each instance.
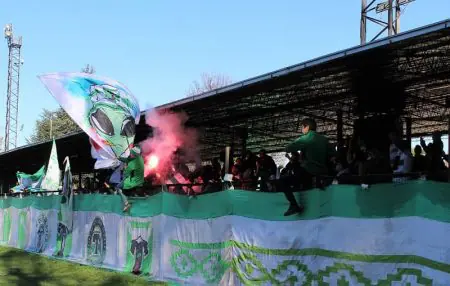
(290, 175)
(316, 151)
(293, 166)
(266, 169)
(435, 152)
(419, 160)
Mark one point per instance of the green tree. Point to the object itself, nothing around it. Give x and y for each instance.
(52, 124)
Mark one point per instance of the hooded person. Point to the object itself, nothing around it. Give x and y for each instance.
(133, 175)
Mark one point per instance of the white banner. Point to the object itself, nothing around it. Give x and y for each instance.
(234, 250)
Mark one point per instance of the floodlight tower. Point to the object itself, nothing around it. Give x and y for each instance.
(12, 94)
(390, 26)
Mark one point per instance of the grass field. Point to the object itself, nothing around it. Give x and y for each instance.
(25, 269)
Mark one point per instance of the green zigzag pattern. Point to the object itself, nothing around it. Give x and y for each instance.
(246, 264)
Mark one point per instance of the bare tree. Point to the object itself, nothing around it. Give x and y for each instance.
(88, 69)
(208, 82)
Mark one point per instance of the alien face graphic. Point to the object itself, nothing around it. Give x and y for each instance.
(102, 107)
(111, 119)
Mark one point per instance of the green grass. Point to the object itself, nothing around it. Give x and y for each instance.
(21, 268)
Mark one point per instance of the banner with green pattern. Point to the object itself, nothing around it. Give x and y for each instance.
(387, 235)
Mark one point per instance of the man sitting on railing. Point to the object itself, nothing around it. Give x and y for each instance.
(316, 151)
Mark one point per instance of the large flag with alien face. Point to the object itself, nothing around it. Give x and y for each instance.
(103, 108)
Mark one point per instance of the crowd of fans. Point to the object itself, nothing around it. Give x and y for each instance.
(312, 162)
(371, 165)
(350, 163)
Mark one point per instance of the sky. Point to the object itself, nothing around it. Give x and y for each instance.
(158, 48)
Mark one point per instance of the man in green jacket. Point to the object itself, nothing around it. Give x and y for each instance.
(133, 175)
(316, 151)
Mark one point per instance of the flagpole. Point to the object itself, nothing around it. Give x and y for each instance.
(51, 125)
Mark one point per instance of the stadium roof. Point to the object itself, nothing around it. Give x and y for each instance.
(30, 158)
(413, 64)
(413, 67)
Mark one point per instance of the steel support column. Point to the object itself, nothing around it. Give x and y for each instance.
(363, 27)
(390, 18)
(340, 129)
(408, 130)
(227, 166)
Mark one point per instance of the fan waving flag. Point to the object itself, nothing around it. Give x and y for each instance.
(103, 108)
(29, 182)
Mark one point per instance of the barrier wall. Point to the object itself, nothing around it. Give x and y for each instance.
(386, 235)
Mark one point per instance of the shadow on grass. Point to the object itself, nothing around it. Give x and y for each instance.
(117, 281)
(123, 281)
(18, 268)
(21, 268)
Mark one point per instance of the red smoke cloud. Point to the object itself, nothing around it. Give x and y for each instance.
(169, 135)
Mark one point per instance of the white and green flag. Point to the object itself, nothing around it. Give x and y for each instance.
(29, 182)
(53, 174)
(65, 215)
(67, 196)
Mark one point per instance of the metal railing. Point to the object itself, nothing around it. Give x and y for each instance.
(206, 188)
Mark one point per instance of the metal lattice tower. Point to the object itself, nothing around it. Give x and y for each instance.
(12, 95)
(392, 25)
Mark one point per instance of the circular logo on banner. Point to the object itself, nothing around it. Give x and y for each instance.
(42, 234)
(96, 244)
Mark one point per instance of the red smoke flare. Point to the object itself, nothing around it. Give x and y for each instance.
(153, 161)
(169, 135)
